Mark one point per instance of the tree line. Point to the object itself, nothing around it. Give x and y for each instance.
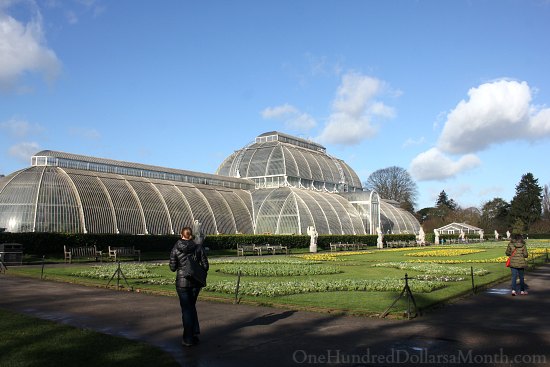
(528, 212)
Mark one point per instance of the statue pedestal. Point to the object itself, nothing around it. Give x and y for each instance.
(313, 248)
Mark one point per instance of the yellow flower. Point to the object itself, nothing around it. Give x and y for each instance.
(500, 259)
(446, 252)
(331, 256)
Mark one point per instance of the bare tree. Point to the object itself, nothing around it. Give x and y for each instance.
(546, 202)
(394, 183)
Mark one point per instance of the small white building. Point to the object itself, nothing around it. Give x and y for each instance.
(456, 228)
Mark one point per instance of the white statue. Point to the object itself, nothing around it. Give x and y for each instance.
(481, 234)
(436, 232)
(496, 235)
(380, 239)
(462, 236)
(508, 235)
(197, 232)
(421, 236)
(312, 232)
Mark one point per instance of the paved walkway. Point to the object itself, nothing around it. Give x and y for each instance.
(492, 328)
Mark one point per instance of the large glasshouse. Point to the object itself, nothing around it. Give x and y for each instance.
(278, 184)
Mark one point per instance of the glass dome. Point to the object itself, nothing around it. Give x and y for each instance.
(276, 160)
(278, 184)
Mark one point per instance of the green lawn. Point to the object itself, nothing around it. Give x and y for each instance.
(28, 342)
(364, 283)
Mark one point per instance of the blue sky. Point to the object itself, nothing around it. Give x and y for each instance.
(457, 92)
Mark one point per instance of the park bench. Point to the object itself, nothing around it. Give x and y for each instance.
(86, 252)
(403, 243)
(343, 246)
(275, 248)
(335, 246)
(117, 252)
(242, 249)
(398, 243)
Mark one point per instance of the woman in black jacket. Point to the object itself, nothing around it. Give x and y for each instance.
(188, 289)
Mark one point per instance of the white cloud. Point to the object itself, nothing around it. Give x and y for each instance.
(19, 128)
(346, 130)
(88, 134)
(355, 92)
(71, 16)
(292, 117)
(495, 112)
(435, 165)
(24, 151)
(23, 49)
(491, 191)
(539, 124)
(281, 111)
(93, 6)
(380, 109)
(353, 109)
(412, 142)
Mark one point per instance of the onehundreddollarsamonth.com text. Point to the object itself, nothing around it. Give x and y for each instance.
(402, 356)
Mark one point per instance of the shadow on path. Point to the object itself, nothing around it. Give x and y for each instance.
(491, 327)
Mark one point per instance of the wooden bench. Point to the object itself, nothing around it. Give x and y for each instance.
(248, 248)
(335, 246)
(116, 252)
(275, 248)
(87, 252)
(343, 246)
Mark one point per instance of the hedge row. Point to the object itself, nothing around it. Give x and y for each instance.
(538, 236)
(52, 243)
(37, 243)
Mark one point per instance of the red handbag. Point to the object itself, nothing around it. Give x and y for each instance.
(508, 261)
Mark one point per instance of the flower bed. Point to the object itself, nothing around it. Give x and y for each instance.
(431, 268)
(268, 260)
(130, 271)
(333, 256)
(439, 278)
(275, 289)
(277, 270)
(445, 252)
(500, 259)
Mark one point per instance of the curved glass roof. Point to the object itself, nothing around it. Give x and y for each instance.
(397, 220)
(54, 199)
(278, 184)
(288, 210)
(277, 159)
(69, 160)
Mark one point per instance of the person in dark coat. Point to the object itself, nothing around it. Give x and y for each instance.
(188, 289)
(517, 250)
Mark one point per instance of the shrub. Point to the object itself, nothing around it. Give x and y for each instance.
(43, 243)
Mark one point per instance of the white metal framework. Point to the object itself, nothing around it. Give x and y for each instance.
(278, 184)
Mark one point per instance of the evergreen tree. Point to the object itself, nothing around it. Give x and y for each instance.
(442, 199)
(444, 207)
(527, 203)
(495, 215)
(443, 202)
